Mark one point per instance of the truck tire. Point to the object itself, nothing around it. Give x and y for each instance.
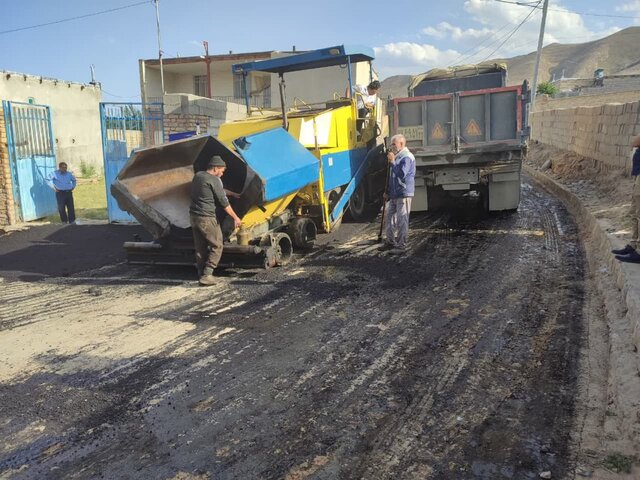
(436, 199)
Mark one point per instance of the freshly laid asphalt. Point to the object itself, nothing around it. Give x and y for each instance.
(455, 360)
(61, 250)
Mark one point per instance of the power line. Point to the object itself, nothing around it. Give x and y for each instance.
(533, 9)
(524, 4)
(73, 18)
(118, 96)
(477, 48)
(506, 37)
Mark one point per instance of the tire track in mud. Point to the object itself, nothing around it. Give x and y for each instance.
(422, 459)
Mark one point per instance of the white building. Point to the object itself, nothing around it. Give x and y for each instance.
(75, 113)
(189, 76)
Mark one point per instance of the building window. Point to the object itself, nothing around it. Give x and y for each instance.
(200, 85)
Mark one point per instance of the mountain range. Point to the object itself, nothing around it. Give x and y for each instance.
(617, 54)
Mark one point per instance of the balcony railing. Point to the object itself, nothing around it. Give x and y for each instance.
(261, 101)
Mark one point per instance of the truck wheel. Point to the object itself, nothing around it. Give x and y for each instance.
(435, 199)
(359, 210)
(484, 199)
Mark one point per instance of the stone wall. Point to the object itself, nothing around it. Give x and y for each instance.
(603, 133)
(181, 112)
(7, 206)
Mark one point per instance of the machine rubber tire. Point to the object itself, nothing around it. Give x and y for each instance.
(359, 210)
(303, 233)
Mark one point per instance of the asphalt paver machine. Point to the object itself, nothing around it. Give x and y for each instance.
(297, 172)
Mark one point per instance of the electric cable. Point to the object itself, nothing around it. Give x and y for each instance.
(523, 4)
(533, 9)
(464, 55)
(118, 96)
(73, 18)
(503, 38)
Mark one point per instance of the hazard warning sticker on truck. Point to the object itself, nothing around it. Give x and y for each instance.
(412, 133)
(437, 132)
(472, 129)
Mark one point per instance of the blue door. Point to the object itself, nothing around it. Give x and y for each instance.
(126, 127)
(32, 157)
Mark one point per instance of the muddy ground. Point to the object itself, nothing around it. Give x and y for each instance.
(456, 360)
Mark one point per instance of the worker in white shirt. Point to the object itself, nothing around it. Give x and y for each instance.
(366, 98)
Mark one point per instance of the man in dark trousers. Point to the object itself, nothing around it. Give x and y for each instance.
(63, 182)
(207, 192)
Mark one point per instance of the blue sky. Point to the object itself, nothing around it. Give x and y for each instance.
(409, 36)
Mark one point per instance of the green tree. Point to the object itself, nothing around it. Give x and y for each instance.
(547, 87)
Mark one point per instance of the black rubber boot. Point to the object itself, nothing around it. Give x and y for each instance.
(624, 251)
(633, 257)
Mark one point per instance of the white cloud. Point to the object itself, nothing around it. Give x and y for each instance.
(406, 58)
(633, 7)
(494, 24)
(445, 29)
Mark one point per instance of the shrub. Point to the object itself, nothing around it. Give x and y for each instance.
(618, 463)
(548, 88)
(87, 170)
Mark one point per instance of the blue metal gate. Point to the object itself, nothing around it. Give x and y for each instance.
(125, 127)
(32, 157)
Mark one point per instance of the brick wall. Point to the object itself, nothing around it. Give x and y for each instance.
(178, 122)
(182, 111)
(7, 206)
(603, 133)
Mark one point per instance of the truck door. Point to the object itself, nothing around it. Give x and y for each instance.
(428, 123)
(489, 117)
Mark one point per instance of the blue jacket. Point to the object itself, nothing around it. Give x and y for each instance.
(61, 181)
(635, 168)
(402, 175)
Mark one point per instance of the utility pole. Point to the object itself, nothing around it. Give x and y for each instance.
(534, 87)
(208, 62)
(159, 45)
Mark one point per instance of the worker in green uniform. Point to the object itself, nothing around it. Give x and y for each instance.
(207, 192)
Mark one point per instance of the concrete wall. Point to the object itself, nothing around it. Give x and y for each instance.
(603, 133)
(75, 114)
(181, 112)
(7, 206)
(150, 84)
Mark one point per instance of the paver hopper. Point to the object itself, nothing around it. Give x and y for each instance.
(154, 187)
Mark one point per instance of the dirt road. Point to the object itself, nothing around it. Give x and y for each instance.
(456, 360)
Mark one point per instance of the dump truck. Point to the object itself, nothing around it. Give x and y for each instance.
(467, 131)
(297, 172)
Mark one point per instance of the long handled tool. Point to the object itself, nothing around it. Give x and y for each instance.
(384, 198)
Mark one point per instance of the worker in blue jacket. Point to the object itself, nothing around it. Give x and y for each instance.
(63, 182)
(629, 253)
(400, 191)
